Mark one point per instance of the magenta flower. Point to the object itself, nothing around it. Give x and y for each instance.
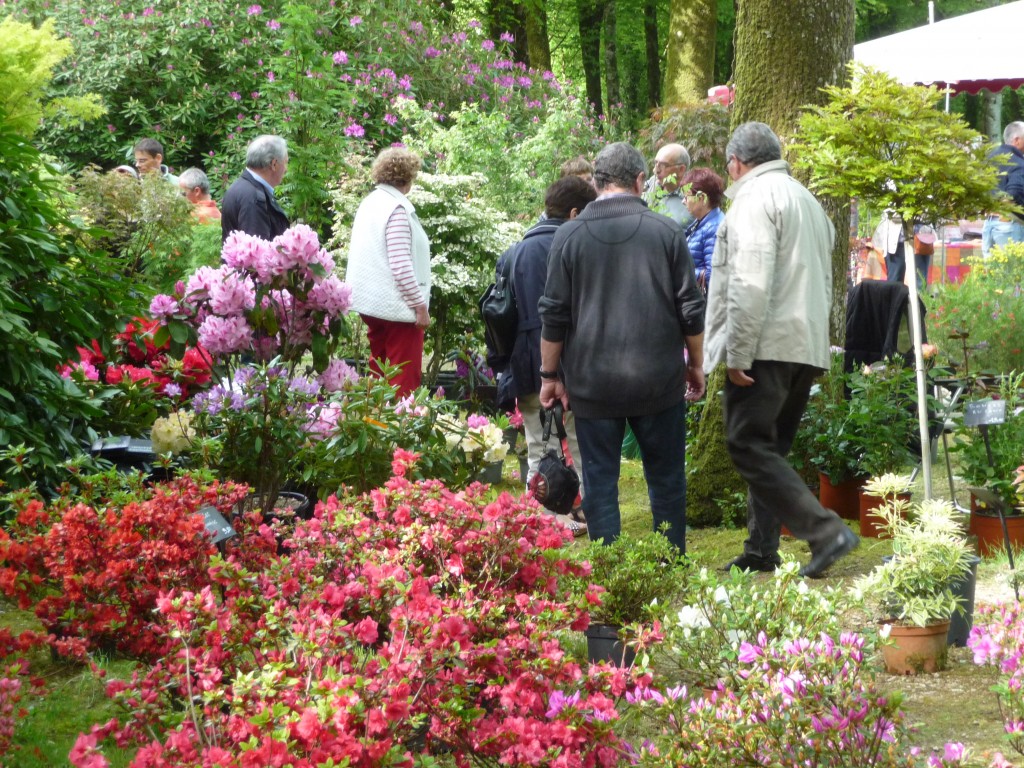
(255, 10)
(487, 45)
(431, 53)
(355, 21)
(270, 76)
(274, 24)
(507, 37)
(235, 95)
(297, 247)
(355, 129)
(148, 11)
(340, 57)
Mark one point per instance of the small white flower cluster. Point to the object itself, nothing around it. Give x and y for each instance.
(173, 433)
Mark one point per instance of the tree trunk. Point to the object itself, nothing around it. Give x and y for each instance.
(653, 54)
(538, 47)
(503, 16)
(785, 52)
(808, 43)
(611, 58)
(590, 15)
(690, 69)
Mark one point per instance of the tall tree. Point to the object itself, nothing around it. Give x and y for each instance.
(785, 54)
(590, 16)
(653, 54)
(690, 69)
(611, 56)
(538, 46)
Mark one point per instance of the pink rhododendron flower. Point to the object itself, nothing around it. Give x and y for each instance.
(296, 247)
(355, 21)
(233, 295)
(163, 306)
(336, 375)
(355, 129)
(225, 335)
(340, 57)
(255, 10)
(487, 45)
(198, 286)
(324, 421)
(331, 295)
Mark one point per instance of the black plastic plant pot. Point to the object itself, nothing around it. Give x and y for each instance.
(603, 644)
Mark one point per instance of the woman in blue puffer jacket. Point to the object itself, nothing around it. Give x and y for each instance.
(705, 190)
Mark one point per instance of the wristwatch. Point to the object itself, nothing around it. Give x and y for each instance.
(548, 374)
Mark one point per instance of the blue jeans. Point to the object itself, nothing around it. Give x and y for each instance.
(996, 232)
(662, 441)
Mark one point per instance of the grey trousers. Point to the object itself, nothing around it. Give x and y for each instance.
(760, 423)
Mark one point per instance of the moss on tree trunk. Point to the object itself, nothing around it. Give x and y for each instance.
(690, 68)
(710, 475)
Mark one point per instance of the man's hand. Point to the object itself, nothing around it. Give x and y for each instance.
(552, 390)
(422, 318)
(694, 382)
(739, 377)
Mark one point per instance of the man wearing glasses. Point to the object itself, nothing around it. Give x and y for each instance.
(663, 193)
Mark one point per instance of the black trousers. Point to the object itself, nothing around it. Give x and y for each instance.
(760, 423)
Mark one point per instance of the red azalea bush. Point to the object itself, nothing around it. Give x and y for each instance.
(143, 377)
(406, 622)
(92, 573)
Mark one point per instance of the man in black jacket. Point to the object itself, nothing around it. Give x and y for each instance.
(520, 382)
(249, 203)
(1000, 230)
(620, 306)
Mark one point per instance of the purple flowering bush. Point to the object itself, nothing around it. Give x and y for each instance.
(997, 638)
(802, 701)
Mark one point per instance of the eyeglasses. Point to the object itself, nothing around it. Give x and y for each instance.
(662, 164)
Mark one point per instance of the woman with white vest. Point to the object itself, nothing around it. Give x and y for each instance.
(389, 268)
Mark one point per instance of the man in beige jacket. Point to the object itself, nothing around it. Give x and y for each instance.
(767, 320)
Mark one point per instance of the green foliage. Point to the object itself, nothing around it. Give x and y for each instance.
(702, 128)
(977, 323)
(882, 417)
(473, 139)
(467, 235)
(53, 294)
(639, 574)
(888, 144)
(144, 223)
(930, 554)
(721, 611)
(1005, 441)
(826, 436)
(28, 58)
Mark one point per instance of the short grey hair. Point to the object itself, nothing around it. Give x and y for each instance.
(754, 143)
(194, 177)
(679, 154)
(263, 150)
(1012, 131)
(618, 164)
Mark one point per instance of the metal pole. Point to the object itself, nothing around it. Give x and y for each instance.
(915, 325)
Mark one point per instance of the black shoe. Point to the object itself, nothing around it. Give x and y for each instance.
(845, 542)
(747, 562)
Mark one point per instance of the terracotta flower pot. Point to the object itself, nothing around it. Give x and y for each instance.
(841, 498)
(870, 524)
(986, 526)
(913, 650)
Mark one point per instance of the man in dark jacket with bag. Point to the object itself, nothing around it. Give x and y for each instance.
(519, 383)
(620, 307)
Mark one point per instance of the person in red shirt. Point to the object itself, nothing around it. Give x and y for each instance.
(195, 186)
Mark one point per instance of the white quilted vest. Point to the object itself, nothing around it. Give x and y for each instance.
(374, 291)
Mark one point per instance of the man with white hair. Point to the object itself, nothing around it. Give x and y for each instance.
(249, 204)
(663, 192)
(767, 320)
(195, 186)
(1009, 156)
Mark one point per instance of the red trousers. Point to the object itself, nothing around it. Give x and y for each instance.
(398, 344)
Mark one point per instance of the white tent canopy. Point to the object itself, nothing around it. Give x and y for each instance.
(967, 53)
